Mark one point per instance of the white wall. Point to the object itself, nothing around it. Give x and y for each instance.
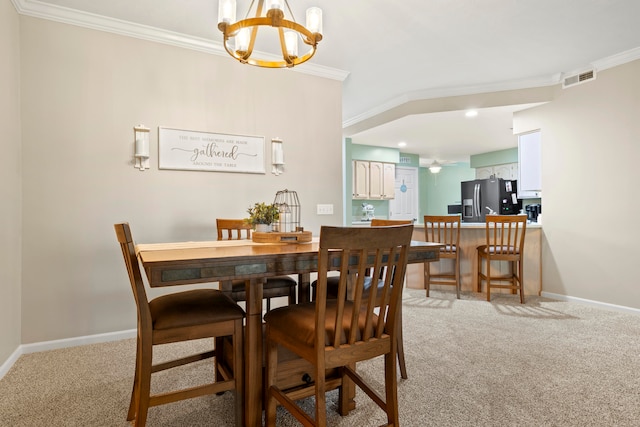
(10, 184)
(83, 91)
(590, 174)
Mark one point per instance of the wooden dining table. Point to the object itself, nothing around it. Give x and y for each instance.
(183, 263)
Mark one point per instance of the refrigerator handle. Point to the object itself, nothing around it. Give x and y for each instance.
(476, 203)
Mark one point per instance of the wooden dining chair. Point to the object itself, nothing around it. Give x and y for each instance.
(274, 287)
(332, 292)
(337, 333)
(443, 229)
(176, 317)
(504, 242)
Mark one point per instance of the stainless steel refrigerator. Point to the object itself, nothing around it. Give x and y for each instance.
(489, 196)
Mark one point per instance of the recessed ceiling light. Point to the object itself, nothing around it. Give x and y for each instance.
(471, 113)
(402, 144)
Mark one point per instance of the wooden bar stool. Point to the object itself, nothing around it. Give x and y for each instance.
(505, 242)
(443, 229)
(337, 333)
(176, 317)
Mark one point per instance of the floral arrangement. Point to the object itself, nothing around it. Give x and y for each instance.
(262, 213)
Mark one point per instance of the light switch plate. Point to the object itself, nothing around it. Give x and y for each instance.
(325, 209)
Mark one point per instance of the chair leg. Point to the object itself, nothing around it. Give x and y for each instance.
(400, 344)
(271, 372)
(238, 370)
(427, 277)
(133, 405)
(292, 296)
(457, 272)
(521, 282)
(478, 278)
(144, 385)
(488, 279)
(391, 389)
(321, 399)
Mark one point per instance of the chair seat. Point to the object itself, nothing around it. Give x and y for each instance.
(499, 250)
(192, 308)
(279, 286)
(449, 248)
(299, 321)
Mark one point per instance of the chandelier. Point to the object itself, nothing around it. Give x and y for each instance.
(240, 37)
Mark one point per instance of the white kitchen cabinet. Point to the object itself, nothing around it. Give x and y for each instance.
(360, 179)
(373, 180)
(529, 166)
(505, 171)
(389, 180)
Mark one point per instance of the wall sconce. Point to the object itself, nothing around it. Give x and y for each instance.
(277, 156)
(141, 154)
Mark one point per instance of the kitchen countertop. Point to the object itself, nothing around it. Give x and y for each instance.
(462, 225)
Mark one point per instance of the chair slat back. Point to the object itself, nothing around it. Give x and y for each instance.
(233, 229)
(123, 233)
(505, 234)
(443, 229)
(383, 251)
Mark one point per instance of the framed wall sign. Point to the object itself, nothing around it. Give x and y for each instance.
(203, 151)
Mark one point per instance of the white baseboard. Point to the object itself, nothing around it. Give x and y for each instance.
(603, 305)
(63, 343)
(10, 361)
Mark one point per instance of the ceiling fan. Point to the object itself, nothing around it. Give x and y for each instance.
(434, 165)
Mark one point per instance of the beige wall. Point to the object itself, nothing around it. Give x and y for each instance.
(590, 174)
(83, 91)
(10, 194)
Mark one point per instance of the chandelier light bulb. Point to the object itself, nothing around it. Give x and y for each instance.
(275, 4)
(227, 11)
(242, 41)
(314, 20)
(291, 41)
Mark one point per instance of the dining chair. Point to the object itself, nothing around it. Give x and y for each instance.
(504, 242)
(337, 333)
(443, 229)
(332, 292)
(176, 317)
(274, 287)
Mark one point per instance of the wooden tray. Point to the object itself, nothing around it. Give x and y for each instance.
(277, 237)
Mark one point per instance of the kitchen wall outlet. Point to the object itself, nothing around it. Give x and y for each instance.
(325, 209)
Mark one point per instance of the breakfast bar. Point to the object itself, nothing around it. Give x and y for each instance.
(471, 236)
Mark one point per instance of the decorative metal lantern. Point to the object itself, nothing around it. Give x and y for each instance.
(289, 208)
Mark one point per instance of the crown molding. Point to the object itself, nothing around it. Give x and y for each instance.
(39, 9)
(617, 59)
(450, 92)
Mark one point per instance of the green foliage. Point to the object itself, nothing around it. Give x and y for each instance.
(261, 213)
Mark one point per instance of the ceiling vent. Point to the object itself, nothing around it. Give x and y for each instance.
(577, 79)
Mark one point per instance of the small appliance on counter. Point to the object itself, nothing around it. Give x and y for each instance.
(533, 211)
(367, 212)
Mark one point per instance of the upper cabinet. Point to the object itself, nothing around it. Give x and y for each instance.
(373, 180)
(360, 179)
(506, 171)
(529, 166)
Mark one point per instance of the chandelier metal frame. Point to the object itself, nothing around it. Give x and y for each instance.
(273, 18)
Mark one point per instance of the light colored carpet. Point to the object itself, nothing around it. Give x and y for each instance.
(470, 362)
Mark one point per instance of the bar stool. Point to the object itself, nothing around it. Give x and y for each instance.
(443, 229)
(504, 242)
